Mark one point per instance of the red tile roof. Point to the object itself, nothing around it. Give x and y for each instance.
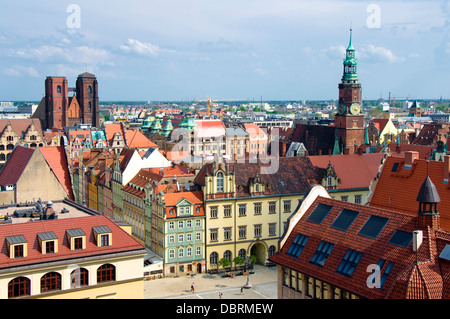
(121, 240)
(56, 159)
(413, 275)
(15, 165)
(353, 170)
(135, 139)
(408, 180)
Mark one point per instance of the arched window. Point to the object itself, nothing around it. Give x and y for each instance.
(106, 273)
(2, 157)
(2, 147)
(213, 258)
(220, 182)
(79, 278)
(58, 89)
(227, 255)
(10, 146)
(51, 281)
(242, 253)
(89, 89)
(18, 287)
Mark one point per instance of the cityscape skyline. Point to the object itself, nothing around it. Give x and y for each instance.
(178, 50)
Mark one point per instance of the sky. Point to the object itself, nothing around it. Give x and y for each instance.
(146, 50)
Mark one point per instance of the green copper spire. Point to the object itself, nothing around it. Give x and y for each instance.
(350, 64)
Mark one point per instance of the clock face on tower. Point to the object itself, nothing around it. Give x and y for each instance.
(355, 108)
(341, 109)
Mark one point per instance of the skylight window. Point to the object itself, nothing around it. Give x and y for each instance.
(373, 226)
(297, 245)
(319, 213)
(349, 262)
(401, 238)
(395, 167)
(322, 253)
(345, 219)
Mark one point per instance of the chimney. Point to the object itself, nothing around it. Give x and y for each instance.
(410, 157)
(446, 167)
(417, 239)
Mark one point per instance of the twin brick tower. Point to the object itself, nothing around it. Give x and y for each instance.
(58, 110)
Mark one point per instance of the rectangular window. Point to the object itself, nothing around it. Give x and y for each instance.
(171, 239)
(257, 208)
(181, 253)
(287, 206)
(188, 237)
(272, 207)
(197, 236)
(227, 211)
(297, 245)
(171, 225)
(180, 238)
(344, 198)
(189, 253)
(104, 240)
(198, 223)
(18, 251)
(257, 230)
(188, 223)
(242, 209)
(321, 255)
(272, 229)
(198, 251)
(242, 232)
(213, 234)
(227, 233)
(180, 224)
(171, 253)
(78, 242)
(349, 262)
(358, 199)
(213, 212)
(49, 247)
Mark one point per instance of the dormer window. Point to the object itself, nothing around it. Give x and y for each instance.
(17, 246)
(48, 242)
(76, 239)
(103, 236)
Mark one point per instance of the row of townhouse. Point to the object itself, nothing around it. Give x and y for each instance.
(225, 210)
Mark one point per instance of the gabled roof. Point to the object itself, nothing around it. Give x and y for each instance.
(20, 126)
(15, 165)
(353, 170)
(172, 199)
(135, 139)
(56, 159)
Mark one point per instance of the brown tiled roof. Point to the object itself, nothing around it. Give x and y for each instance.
(318, 139)
(56, 159)
(294, 175)
(414, 275)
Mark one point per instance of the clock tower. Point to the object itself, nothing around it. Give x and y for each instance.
(349, 121)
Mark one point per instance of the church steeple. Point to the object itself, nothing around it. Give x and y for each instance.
(428, 198)
(350, 64)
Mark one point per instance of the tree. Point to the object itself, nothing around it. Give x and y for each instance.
(224, 262)
(238, 260)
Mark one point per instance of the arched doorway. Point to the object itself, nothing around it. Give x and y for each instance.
(259, 250)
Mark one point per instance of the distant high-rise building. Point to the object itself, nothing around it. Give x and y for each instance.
(58, 110)
(349, 122)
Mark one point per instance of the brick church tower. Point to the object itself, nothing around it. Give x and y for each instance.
(349, 122)
(56, 101)
(87, 96)
(57, 110)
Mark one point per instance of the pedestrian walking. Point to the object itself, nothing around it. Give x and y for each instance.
(192, 287)
(220, 295)
(242, 290)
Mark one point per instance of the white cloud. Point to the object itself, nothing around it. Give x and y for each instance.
(143, 48)
(375, 54)
(19, 70)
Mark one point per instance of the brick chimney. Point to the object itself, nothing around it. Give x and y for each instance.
(446, 167)
(410, 157)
